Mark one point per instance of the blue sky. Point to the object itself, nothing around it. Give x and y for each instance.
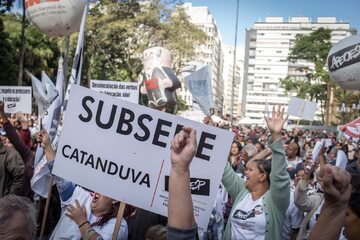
(250, 11)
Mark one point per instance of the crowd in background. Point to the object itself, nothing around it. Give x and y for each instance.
(272, 188)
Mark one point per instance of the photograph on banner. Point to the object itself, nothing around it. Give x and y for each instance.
(128, 91)
(122, 150)
(302, 109)
(16, 99)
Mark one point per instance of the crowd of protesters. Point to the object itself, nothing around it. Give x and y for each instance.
(274, 186)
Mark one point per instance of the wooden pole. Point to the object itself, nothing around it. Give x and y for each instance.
(46, 210)
(118, 221)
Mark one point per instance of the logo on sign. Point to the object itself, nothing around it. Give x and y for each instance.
(198, 186)
(344, 57)
(11, 105)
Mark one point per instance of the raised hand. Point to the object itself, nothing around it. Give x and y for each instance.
(3, 116)
(208, 121)
(183, 148)
(276, 122)
(336, 185)
(44, 138)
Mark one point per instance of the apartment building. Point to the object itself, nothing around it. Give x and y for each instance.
(209, 53)
(233, 86)
(267, 47)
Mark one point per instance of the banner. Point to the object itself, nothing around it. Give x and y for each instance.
(128, 91)
(16, 99)
(122, 150)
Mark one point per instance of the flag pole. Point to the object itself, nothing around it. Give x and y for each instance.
(46, 210)
(119, 217)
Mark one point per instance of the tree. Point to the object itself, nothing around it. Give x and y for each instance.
(181, 36)
(315, 83)
(5, 5)
(7, 59)
(41, 51)
(119, 32)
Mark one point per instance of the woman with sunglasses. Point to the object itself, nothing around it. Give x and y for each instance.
(87, 215)
(262, 198)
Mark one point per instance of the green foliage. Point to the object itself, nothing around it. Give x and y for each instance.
(181, 36)
(5, 5)
(313, 48)
(119, 32)
(42, 52)
(8, 65)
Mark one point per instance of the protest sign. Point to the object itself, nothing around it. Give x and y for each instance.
(301, 108)
(122, 150)
(16, 99)
(124, 90)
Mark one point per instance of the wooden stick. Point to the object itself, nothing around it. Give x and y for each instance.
(46, 210)
(118, 221)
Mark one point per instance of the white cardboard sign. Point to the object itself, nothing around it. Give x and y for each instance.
(122, 150)
(128, 91)
(16, 99)
(302, 109)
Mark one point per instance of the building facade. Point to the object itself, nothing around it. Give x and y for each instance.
(209, 53)
(232, 85)
(267, 47)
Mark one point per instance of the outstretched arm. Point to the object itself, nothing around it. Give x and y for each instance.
(65, 187)
(180, 208)
(14, 138)
(279, 177)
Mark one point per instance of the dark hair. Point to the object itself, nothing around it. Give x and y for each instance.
(264, 166)
(107, 216)
(238, 144)
(262, 146)
(13, 204)
(355, 182)
(354, 203)
(157, 232)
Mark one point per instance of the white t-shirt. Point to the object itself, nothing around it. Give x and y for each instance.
(293, 163)
(248, 220)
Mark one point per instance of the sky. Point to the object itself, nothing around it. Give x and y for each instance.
(250, 11)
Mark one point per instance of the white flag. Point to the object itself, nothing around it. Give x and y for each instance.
(41, 177)
(199, 85)
(44, 93)
(75, 76)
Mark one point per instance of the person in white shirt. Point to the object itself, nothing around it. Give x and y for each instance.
(87, 215)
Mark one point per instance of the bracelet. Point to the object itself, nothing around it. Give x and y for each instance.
(83, 224)
(88, 234)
